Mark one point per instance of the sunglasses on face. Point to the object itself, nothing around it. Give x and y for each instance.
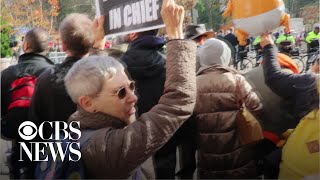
(122, 92)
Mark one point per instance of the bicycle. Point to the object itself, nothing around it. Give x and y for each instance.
(256, 55)
(242, 63)
(310, 58)
(286, 48)
(313, 53)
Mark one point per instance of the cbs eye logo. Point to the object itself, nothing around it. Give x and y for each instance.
(27, 130)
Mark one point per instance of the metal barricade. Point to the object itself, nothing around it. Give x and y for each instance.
(57, 57)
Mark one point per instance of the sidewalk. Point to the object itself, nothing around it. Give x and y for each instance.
(4, 148)
(6, 62)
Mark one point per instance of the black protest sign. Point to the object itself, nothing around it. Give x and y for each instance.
(125, 16)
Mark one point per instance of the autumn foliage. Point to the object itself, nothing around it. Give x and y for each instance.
(30, 13)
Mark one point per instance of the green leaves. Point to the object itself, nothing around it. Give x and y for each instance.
(5, 39)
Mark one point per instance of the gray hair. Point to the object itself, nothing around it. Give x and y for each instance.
(77, 34)
(87, 76)
(37, 39)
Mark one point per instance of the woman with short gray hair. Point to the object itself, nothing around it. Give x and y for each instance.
(88, 76)
(106, 102)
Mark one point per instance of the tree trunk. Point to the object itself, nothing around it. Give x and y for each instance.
(51, 24)
(41, 14)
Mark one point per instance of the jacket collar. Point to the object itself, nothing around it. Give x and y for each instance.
(71, 60)
(95, 120)
(216, 68)
(147, 42)
(33, 56)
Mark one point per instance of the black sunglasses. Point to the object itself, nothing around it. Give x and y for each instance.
(122, 92)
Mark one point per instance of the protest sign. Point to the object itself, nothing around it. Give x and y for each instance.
(126, 16)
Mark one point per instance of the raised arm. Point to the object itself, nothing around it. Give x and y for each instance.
(282, 83)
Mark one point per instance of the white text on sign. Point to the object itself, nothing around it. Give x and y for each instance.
(134, 14)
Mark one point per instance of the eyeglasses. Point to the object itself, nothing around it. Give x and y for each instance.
(122, 92)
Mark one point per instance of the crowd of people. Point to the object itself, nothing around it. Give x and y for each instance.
(286, 40)
(141, 105)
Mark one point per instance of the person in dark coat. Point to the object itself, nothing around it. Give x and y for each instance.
(275, 117)
(231, 37)
(146, 64)
(51, 101)
(297, 89)
(33, 63)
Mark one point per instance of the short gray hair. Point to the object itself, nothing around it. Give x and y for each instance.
(77, 34)
(88, 75)
(37, 39)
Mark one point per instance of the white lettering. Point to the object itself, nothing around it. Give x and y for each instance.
(41, 130)
(26, 150)
(143, 12)
(38, 151)
(110, 20)
(61, 153)
(136, 14)
(155, 8)
(133, 14)
(75, 129)
(58, 130)
(117, 18)
(75, 151)
(127, 19)
(148, 10)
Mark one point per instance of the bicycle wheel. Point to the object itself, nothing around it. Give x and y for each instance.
(245, 66)
(300, 63)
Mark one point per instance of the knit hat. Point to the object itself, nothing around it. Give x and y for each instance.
(214, 51)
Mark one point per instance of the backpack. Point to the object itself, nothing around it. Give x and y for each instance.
(63, 169)
(300, 154)
(21, 92)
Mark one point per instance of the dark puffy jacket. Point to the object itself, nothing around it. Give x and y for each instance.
(51, 101)
(30, 63)
(298, 89)
(232, 39)
(146, 65)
